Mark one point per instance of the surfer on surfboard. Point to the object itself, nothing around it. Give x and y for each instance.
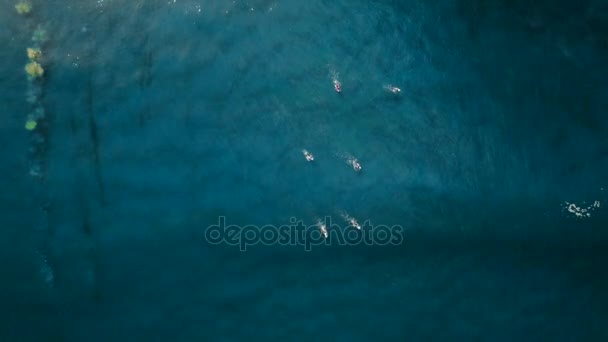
(337, 85)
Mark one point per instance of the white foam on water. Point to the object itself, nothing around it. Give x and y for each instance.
(322, 228)
(581, 211)
(46, 270)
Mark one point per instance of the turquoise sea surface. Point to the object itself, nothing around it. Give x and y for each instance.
(156, 119)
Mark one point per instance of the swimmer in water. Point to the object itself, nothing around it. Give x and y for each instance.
(309, 157)
(323, 228)
(355, 164)
(351, 220)
(334, 75)
(337, 86)
(392, 89)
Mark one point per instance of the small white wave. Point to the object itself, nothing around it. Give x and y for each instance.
(46, 270)
(581, 211)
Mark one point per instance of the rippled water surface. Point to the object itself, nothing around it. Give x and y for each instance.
(161, 116)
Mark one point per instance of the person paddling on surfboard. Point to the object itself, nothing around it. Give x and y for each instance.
(354, 163)
(392, 89)
(337, 86)
(309, 157)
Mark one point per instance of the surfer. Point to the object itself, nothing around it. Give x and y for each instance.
(392, 89)
(337, 86)
(355, 164)
(351, 220)
(323, 228)
(309, 157)
(354, 223)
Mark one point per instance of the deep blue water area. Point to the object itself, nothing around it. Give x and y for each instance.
(160, 117)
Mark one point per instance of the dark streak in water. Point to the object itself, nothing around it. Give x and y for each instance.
(145, 76)
(148, 75)
(86, 227)
(144, 115)
(91, 254)
(95, 140)
(73, 126)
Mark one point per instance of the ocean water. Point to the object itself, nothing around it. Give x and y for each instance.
(163, 116)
